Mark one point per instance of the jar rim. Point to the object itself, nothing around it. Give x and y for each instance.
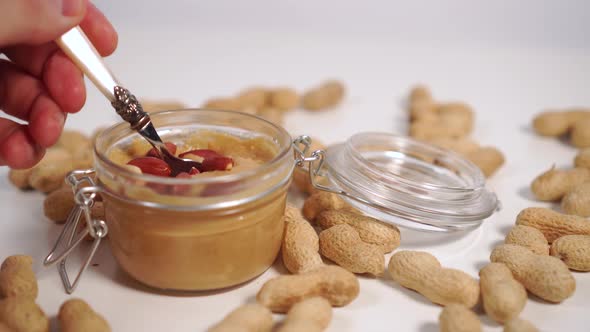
(475, 173)
(282, 135)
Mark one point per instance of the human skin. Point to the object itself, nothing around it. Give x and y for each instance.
(38, 83)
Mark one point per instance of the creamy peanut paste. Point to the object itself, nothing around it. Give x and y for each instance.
(197, 250)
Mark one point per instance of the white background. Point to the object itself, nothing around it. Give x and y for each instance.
(508, 59)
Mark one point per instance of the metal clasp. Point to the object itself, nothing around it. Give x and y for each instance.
(315, 167)
(70, 237)
(313, 163)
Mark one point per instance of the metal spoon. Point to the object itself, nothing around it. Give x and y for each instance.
(80, 50)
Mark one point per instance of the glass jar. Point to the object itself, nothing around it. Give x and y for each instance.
(211, 232)
(201, 233)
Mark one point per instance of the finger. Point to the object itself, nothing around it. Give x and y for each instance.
(31, 58)
(60, 78)
(46, 121)
(18, 90)
(64, 82)
(98, 29)
(25, 97)
(34, 21)
(17, 148)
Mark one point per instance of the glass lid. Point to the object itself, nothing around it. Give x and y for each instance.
(406, 182)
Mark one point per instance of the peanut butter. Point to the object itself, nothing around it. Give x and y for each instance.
(201, 249)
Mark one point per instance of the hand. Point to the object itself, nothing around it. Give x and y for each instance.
(39, 84)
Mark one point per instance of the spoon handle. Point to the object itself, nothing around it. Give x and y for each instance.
(79, 49)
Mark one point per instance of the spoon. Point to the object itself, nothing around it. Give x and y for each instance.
(80, 50)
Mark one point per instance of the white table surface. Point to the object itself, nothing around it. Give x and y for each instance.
(506, 83)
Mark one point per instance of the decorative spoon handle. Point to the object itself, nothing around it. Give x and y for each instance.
(79, 49)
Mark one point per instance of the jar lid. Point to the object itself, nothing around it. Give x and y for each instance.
(405, 182)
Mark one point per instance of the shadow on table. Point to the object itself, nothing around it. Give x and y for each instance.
(428, 327)
(480, 265)
(487, 321)
(412, 295)
(496, 243)
(418, 239)
(53, 324)
(529, 130)
(504, 230)
(526, 193)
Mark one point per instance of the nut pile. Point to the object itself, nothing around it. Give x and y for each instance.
(537, 256)
(20, 312)
(568, 235)
(570, 186)
(449, 125)
(272, 103)
(327, 231)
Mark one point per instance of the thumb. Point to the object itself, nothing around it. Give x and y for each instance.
(38, 21)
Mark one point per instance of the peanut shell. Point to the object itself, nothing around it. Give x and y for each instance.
(553, 224)
(503, 296)
(528, 237)
(76, 315)
(573, 250)
(248, 317)
(553, 184)
(343, 245)
(422, 272)
(370, 230)
(300, 248)
(545, 276)
(335, 284)
(458, 318)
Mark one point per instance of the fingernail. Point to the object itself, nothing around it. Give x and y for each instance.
(72, 7)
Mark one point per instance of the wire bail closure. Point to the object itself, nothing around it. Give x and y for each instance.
(301, 159)
(315, 167)
(70, 237)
